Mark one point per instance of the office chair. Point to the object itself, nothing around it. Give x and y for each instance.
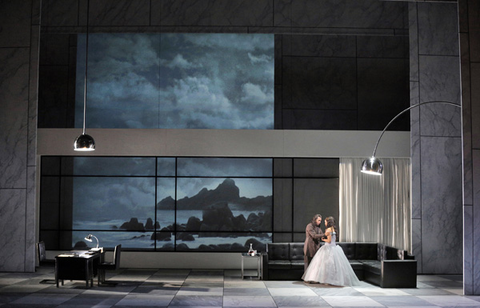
(42, 260)
(109, 266)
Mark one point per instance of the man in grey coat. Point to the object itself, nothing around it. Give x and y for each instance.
(313, 235)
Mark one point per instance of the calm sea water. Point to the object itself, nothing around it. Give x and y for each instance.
(103, 231)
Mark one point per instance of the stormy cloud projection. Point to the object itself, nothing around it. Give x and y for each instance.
(212, 204)
(162, 80)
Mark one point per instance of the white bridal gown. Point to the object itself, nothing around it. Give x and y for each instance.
(330, 265)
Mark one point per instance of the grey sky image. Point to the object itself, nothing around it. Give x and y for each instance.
(104, 198)
(216, 81)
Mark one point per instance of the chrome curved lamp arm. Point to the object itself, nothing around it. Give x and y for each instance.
(98, 242)
(405, 110)
(375, 166)
(89, 238)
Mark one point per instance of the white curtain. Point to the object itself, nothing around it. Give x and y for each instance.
(375, 208)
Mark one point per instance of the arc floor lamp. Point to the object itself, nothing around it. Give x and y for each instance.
(373, 165)
(85, 142)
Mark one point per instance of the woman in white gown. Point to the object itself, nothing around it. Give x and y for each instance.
(330, 265)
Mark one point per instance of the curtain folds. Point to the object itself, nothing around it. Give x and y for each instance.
(375, 208)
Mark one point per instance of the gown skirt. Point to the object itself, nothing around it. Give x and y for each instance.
(331, 266)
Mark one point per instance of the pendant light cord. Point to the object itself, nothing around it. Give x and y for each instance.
(86, 69)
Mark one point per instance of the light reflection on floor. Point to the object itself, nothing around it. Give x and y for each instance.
(218, 288)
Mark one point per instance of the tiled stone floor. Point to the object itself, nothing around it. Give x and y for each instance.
(217, 288)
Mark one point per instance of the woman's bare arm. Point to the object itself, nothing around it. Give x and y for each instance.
(328, 234)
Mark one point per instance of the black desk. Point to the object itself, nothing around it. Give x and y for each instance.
(77, 265)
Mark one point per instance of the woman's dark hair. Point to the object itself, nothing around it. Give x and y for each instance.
(331, 223)
(315, 218)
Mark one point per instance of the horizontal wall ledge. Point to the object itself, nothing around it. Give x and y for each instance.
(176, 260)
(226, 143)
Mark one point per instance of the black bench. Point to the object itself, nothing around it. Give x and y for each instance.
(379, 264)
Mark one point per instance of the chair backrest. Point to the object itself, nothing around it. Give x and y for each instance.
(116, 256)
(42, 255)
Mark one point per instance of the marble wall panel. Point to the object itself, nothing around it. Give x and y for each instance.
(414, 112)
(434, 77)
(15, 19)
(342, 13)
(383, 91)
(30, 220)
(416, 178)
(466, 121)
(413, 41)
(319, 83)
(283, 208)
(475, 98)
(468, 255)
(12, 229)
(441, 204)
(61, 13)
(13, 116)
(382, 47)
(469, 14)
(33, 96)
(475, 243)
(320, 119)
(439, 78)
(440, 120)
(417, 243)
(438, 28)
(440, 81)
(314, 196)
(475, 249)
(250, 13)
(119, 13)
(319, 46)
(415, 154)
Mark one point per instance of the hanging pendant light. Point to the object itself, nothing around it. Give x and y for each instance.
(85, 142)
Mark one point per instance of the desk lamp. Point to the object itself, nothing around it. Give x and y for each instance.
(89, 238)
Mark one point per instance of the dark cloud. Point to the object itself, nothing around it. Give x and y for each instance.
(104, 198)
(220, 81)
